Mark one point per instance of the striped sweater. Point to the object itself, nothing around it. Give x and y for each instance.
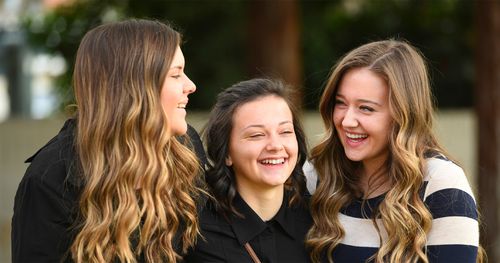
(454, 235)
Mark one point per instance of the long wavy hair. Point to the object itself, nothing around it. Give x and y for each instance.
(219, 177)
(403, 213)
(139, 192)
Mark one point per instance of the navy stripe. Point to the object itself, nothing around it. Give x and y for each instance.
(441, 253)
(451, 202)
(452, 253)
(359, 209)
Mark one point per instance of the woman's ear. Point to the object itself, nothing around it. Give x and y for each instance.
(229, 162)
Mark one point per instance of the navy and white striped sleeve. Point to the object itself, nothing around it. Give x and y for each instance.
(454, 235)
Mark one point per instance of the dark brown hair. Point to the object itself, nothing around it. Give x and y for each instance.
(220, 178)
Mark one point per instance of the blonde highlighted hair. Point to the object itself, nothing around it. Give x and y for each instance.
(403, 213)
(139, 192)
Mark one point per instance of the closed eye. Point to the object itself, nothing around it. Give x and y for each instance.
(366, 109)
(176, 76)
(339, 102)
(256, 135)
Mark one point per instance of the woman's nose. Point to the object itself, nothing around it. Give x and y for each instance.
(274, 145)
(189, 86)
(350, 119)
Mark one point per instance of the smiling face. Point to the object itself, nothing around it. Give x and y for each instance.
(174, 94)
(263, 148)
(362, 117)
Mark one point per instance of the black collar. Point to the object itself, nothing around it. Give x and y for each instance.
(251, 225)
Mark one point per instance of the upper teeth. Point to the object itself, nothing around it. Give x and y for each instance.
(181, 105)
(356, 136)
(273, 161)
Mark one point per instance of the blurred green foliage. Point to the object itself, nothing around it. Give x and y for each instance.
(442, 30)
(215, 35)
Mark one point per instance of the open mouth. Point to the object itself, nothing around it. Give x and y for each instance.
(273, 161)
(356, 137)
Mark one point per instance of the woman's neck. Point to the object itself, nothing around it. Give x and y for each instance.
(264, 202)
(374, 181)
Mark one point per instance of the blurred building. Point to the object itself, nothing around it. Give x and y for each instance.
(26, 76)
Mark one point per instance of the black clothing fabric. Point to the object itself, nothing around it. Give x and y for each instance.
(196, 145)
(280, 239)
(46, 202)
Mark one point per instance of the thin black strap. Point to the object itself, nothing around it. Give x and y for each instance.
(252, 253)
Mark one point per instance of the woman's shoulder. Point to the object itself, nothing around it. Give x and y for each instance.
(209, 215)
(45, 203)
(442, 174)
(450, 200)
(53, 164)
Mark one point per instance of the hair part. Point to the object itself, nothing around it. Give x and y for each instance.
(139, 180)
(220, 178)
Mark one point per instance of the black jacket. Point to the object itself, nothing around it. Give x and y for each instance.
(279, 240)
(46, 202)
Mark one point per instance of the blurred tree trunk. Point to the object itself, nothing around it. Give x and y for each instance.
(20, 93)
(274, 41)
(487, 96)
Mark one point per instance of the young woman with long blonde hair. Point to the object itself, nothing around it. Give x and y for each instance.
(387, 190)
(116, 184)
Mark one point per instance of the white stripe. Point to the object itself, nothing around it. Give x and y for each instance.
(443, 174)
(454, 230)
(361, 232)
(311, 176)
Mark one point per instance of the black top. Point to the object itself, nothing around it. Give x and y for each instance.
(46, 202)
(280, 239)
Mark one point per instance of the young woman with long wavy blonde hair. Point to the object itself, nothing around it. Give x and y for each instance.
(116, 184)
(387, 191)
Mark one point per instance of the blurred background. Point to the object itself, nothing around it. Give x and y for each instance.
(228, 41)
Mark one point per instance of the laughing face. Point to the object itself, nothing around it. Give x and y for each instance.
(362, 117)
(174, 94)
(263, 148)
